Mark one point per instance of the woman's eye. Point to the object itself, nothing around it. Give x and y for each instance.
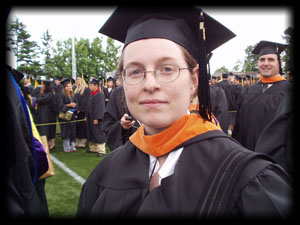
(135, 72)
(167, 69)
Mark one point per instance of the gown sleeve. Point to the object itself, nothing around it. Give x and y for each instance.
(269, 194)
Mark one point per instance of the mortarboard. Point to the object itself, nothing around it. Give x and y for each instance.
(226, 74)
(85, 79)
(65, 81)
(58, 78)
(94, 81)
(16, 74)
(267, 47)
(189, 27)
(47, 82)
(180, 25)
(237, 77)
(111, 78)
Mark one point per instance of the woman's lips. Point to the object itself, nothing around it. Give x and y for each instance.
(153, 103)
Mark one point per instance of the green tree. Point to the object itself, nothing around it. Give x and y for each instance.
(97, 57)
(47, 66)
(26, 51)
(288, 57)
(62, 59)
(111, 56)
(15, 35)
(238, 66)
(250, 61)
(84, 57)
(222, 69)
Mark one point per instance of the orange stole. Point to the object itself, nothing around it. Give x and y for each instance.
(187, 127)
(273, 79)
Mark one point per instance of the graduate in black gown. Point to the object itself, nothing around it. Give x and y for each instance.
(229, 93)
(94, 118)
(82, 95)
(45, 109)
(176, 163)
(24, 194)
(219, 106)
(116, 108)
(277, 139)
(69, 104)
(107, 91)
(258, 103)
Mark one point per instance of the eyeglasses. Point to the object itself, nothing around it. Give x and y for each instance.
(165, 73)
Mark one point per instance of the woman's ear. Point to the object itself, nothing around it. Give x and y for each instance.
(194, 79)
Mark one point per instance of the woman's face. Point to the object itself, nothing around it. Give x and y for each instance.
(68, 87)
(156, 104)
(78, 80)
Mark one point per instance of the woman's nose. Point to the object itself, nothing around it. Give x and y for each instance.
(150, 83)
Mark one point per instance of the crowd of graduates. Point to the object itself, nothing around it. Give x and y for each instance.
(78, 106)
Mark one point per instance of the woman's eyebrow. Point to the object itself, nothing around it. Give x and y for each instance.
(158, 61)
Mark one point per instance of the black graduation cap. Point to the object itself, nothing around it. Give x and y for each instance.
(47, 82)
(267, 47)
(16, 74)
(94, 81)
(226, 74)
(65, 81)
(180, 25)
(86, 79)
(39, 81)
(111, 78)
(58, 78)
(189, 27)
(72, 81)
(237, 77)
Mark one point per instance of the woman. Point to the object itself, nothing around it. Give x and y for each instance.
(68, 132)
(45, 112)
(201, 171)
(82, 95)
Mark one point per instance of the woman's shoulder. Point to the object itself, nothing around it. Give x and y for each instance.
(240, 177)
(118, 167)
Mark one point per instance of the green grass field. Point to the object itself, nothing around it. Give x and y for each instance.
(62, 190)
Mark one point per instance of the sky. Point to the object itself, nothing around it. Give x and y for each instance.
(250, 25)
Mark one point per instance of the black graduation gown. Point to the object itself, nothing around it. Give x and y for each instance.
(124, 191)
(237, 89)
(277, 139)
(95, 111)
(45, 112)
(255, 111)
(36, 91)
(107, 94)
(68, 130)
(219, 106)
(83, 101)
(58, 104)
(229, 92)
(115, 109)
(23, 198)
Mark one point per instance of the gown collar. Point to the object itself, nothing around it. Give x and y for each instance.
(272, 79)
(162, 143)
